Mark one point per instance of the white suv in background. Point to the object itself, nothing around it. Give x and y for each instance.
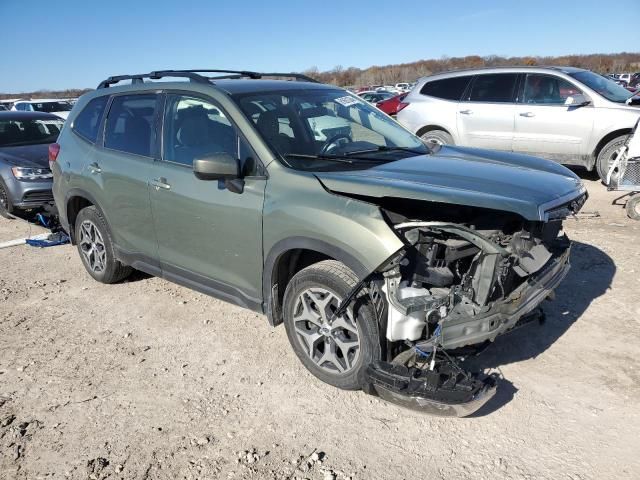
(569, 115)
(58, 107)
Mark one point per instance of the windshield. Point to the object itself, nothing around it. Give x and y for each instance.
(319, 129)
(28, 132)
(50, 107)
(605, 87)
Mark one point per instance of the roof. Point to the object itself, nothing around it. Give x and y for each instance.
(533, 68)
(240, 86)
(16, 115)
(230, 86)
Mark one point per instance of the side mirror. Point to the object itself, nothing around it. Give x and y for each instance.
(216, 166)
(577, 100)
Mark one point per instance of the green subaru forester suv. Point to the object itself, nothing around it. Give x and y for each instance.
(383, 256)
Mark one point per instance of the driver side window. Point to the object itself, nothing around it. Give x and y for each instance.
(548, 90)
(194, 127)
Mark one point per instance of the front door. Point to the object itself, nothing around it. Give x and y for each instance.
(545, 126)
(209, 237)
(485, 116)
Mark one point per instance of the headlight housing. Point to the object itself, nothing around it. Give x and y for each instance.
(24, 173)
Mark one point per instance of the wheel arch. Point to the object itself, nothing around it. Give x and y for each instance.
(288, 257)
(606, 139)
(428, 128)
(75, 201)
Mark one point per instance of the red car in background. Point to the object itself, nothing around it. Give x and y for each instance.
(392, 105)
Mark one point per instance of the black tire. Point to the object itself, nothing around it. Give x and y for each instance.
(607, 156)
(633, 207)
(6, 207)
(439, 137)
(113, 271)
(335, 278)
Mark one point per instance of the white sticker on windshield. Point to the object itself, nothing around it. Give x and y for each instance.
(347, 101)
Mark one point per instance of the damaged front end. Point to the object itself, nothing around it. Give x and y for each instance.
(455, 285)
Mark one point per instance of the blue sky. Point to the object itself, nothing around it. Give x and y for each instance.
(77, 43)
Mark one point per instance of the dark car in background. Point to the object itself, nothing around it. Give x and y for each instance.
(25, 177)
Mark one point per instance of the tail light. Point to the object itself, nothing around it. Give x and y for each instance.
(401, 105)
(54, 150)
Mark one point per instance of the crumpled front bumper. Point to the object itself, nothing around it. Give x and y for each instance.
(442, 393)
(502, 316)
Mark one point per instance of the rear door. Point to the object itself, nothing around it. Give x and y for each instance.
(122, 169)
(544, 125)
(208, 237)
(485, 116)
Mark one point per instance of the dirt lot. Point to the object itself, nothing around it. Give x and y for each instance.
(149, 380)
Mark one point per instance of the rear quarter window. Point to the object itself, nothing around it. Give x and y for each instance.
(447, 88)
(88, 120)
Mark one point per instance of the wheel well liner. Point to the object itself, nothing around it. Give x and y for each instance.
(287, 258)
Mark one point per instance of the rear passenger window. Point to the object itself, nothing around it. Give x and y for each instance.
(88, 120)
(494, 88)
(447, 88)
(130, 124)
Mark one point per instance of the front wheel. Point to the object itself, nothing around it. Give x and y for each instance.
(5, 202)
(608, 155)
(437, 137)
(336, 350)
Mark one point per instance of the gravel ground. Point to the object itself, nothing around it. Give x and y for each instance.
(149, 380)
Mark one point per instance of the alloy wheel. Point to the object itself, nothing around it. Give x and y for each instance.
(92, 246)
(333, 344)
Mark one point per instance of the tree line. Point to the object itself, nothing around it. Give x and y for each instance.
(410, 72)
(69, 93)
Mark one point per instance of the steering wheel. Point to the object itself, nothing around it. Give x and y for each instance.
(332, 142)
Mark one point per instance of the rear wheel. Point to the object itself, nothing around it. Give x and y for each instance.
(633, 207)
(438, 137)
(6, 208)
(337, 351)
(608, 155)
(96, 247)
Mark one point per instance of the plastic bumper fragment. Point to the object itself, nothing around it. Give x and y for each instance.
(446, 391)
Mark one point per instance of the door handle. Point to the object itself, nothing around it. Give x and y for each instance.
(95, 168)
(160, 183)
(528, 114)
(466, 112)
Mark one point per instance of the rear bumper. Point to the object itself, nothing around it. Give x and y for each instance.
(502, 316)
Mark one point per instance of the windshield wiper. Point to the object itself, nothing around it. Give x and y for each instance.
(384, 148)
(333, 158)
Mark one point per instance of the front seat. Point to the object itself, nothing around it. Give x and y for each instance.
(268, 125)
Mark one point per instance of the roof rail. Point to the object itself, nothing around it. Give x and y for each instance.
(249, 74)
(155, 75)
(194, 76)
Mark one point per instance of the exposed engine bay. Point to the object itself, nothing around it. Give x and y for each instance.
(451, 273)
(464, 276)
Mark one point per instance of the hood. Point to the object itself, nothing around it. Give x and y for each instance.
(34, 156)
(464, 176)
(62, 115)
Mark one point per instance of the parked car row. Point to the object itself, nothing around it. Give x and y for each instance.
(57, 106)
